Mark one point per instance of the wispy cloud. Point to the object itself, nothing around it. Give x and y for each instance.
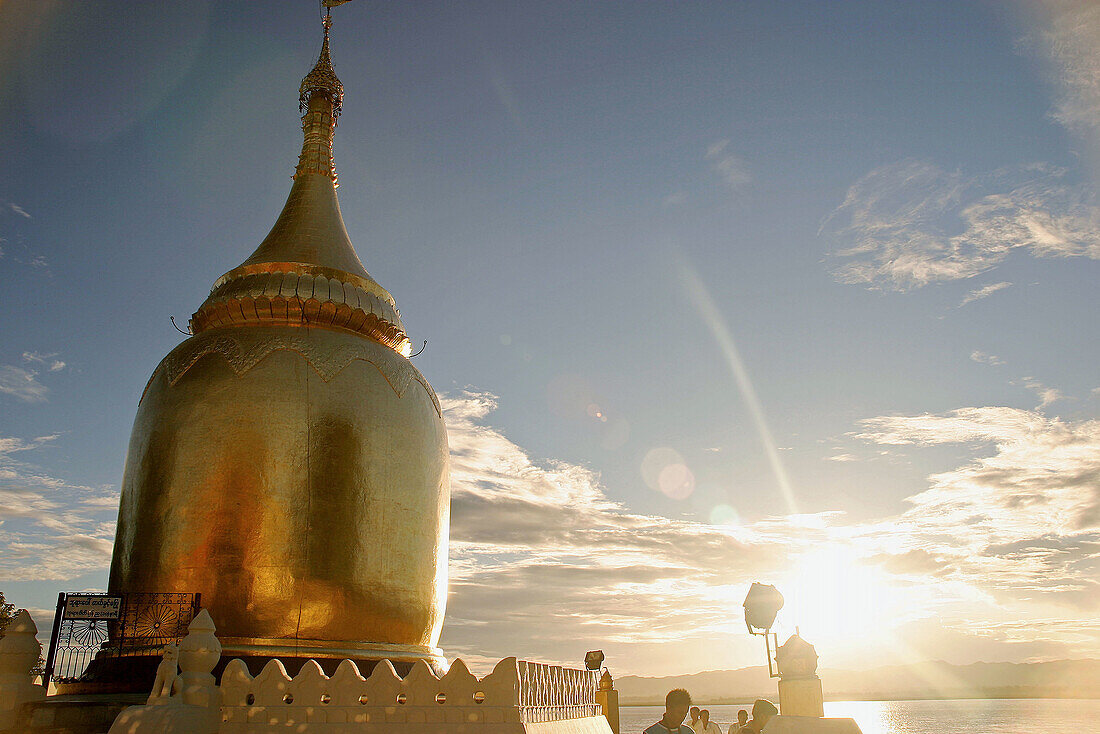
(1071, 43)
(984, 292)
(49, 361)
(983, 358)
(1047, 395)
(22, 383)
(910, 224)
(1022, 523)
(50, 528)
(731, 167)
(13, 243)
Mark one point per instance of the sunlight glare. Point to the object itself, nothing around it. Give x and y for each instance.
(836, 599)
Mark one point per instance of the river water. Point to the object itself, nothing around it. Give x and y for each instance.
(972, 716)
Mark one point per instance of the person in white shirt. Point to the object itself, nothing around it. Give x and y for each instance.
(705, 725)
(677, 703)
(742, 719)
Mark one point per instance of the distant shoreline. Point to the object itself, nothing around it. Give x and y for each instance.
(931, 681)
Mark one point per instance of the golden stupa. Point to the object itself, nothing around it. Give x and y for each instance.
(287, 461)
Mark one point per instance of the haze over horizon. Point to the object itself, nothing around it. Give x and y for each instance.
(800, 293)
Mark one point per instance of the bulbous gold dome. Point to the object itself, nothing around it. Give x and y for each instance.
(297, 478)
(287, 461)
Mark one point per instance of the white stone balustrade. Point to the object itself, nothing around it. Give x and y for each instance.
(516, 693)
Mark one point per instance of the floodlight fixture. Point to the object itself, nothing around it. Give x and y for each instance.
(762, 603)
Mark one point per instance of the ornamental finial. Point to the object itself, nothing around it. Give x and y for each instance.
(322, 78)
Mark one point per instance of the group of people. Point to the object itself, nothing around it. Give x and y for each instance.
(678, 706)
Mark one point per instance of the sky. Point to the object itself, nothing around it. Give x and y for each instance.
(716, 292)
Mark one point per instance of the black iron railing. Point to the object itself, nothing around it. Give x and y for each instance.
(90, 625)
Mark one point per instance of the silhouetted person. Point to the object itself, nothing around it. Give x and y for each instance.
(705, 725)
(762, 712)
(676, 707)
(742, 719)
(693, 716)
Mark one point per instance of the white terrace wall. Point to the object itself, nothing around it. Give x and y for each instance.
(515, 694)
(518, 697)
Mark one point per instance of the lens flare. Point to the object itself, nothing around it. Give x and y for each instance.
(676, 481)
(724, 515)
(714, 321)
(655, 460)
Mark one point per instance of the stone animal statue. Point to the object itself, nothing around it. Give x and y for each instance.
(166, 675)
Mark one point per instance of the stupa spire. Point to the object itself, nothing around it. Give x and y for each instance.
(322, 78)
(320, 98)
(309, 243)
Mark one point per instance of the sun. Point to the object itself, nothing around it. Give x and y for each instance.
(835, 598)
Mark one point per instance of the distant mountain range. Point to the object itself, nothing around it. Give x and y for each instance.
(933, 680)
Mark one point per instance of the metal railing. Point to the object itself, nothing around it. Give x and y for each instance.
(552, 692)
(89, 625)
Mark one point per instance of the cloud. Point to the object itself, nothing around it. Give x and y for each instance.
(9, 445)
(909, 224)
(540, 554)
(13, 243)
(22, 384)
(1008, 538)
(1070, 41)
(732, 168)
(50, 528)
(49, 361)
(1023, 522)
(986, 290)
(983, 358)
(1047, 395)
(841, 457)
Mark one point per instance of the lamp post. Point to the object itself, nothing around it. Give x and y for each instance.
(606, 695)
(762, 603)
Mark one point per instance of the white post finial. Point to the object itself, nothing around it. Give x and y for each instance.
(200, 651)
(19, 652)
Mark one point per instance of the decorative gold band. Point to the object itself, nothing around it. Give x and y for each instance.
(298, 293)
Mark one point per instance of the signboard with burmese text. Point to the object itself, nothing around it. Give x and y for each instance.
(92, 606)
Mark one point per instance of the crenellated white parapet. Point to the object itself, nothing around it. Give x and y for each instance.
(517, 692)
(517, 697)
